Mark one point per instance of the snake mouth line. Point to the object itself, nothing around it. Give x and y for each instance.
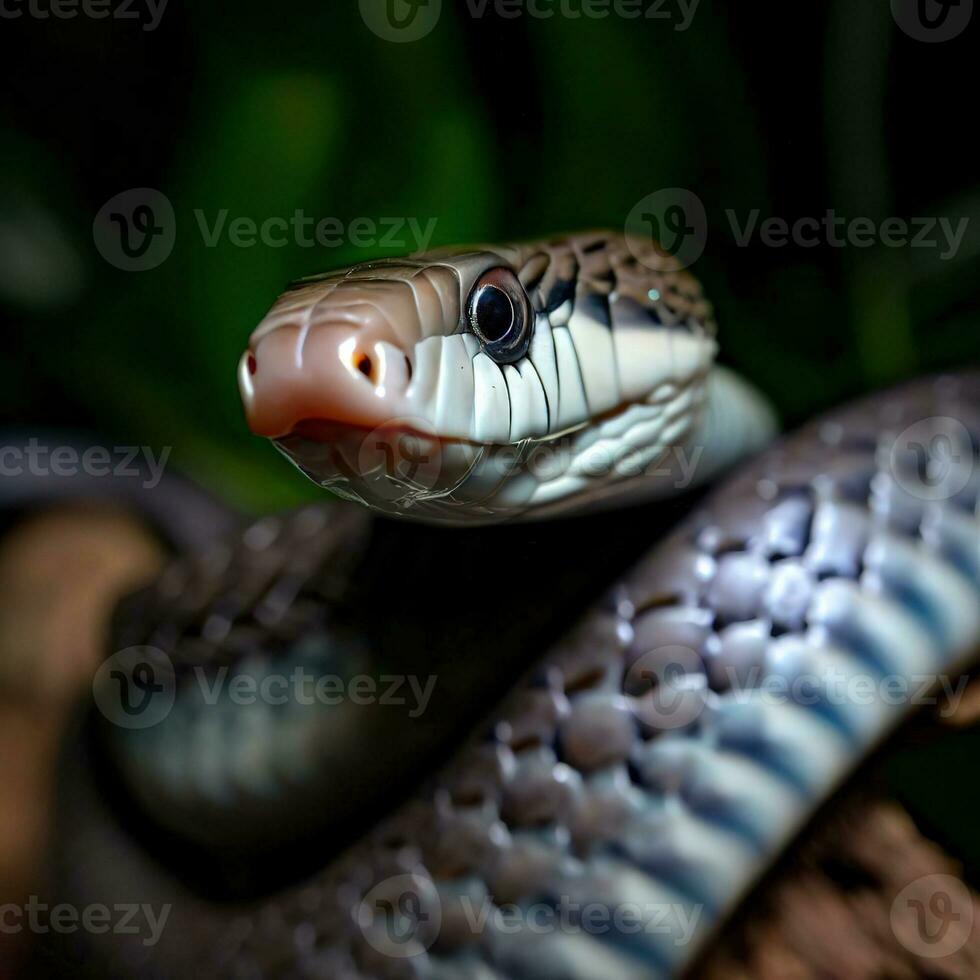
(324, 431)
(327, 431)
(403, 466)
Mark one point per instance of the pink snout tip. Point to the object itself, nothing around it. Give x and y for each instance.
(326, 373)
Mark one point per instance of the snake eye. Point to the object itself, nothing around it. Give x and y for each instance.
(499, 313)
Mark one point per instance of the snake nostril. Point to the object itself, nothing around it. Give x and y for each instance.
(365, 365)
(252, 364)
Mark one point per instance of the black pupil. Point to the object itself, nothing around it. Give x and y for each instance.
(494, 313)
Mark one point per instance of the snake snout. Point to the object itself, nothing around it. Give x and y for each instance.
(324, 372)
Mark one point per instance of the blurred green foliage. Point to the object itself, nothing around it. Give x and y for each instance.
(497, 129)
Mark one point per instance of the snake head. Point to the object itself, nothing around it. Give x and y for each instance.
(484, 384)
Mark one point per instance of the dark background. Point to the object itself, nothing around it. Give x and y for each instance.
(499, 129)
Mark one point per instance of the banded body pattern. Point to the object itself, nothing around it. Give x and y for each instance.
(613, 322)
(851, 550)
(258, 605)
(622, 340)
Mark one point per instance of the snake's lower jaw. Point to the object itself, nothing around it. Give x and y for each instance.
(737, 421)
(389, 466)
(399, 468)
(404, 467)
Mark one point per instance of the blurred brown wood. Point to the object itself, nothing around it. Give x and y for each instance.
(858, 901)
(966, 712)
(61, 573)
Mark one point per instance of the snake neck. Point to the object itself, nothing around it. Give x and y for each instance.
(528, 574)
(737, 422)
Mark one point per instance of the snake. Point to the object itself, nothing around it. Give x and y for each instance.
(599, 644)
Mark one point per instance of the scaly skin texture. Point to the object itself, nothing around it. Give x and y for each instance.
(379, 384)
(849, 551)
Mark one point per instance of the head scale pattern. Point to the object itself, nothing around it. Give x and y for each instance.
(484, 384)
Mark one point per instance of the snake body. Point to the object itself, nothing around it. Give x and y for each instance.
(656, 758)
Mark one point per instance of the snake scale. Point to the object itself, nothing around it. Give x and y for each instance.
(630, 715)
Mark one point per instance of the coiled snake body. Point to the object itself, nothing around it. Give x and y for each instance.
(653, 760)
